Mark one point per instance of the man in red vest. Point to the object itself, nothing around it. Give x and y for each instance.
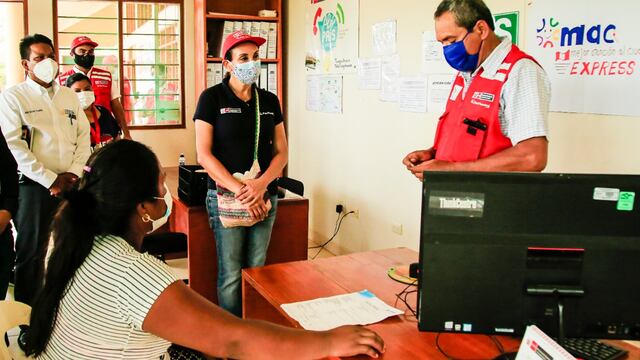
(495, 117)
(105, 89)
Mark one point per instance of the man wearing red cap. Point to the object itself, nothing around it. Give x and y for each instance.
(106, 90)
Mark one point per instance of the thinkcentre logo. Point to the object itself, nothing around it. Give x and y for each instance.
(456, 203)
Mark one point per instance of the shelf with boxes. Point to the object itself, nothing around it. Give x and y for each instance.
(216, 19)
(218, 29)
(239, 17)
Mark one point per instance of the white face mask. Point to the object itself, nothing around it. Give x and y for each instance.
(156, 224)
(86, 98)
(46, 70)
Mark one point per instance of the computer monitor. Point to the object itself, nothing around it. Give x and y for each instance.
(500, 251)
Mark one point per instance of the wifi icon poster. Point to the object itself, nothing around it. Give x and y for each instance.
(331, 29)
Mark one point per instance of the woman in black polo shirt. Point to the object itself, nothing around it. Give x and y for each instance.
(226, 119)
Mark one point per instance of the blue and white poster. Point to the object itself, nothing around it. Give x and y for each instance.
(591, 51)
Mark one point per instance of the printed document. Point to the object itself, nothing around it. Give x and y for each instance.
(359, 308)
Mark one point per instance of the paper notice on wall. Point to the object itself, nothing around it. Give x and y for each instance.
(439, 87)
(433, 61)
(324, 93)
(390, 73)
(331, 93)
(412, 94)
(313, 93)
(369, 73)
(384, 37)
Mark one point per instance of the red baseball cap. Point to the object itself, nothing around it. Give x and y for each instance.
(82, 40)
(238, 37)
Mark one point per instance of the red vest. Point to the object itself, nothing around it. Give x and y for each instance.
(469, 129)
(100, 82)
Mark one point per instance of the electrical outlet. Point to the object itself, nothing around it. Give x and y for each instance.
(347, 209)
(397, 229)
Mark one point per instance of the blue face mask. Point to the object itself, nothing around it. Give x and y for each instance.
(458, 57)
(247, 72)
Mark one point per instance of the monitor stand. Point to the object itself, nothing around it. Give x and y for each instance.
(560, 292)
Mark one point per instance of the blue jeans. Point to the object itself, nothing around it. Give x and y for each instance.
(237, 248)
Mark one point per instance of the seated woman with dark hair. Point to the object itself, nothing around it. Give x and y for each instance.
(104, 127)
(103, 299)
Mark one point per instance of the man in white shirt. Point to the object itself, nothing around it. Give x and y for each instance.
(48, 135)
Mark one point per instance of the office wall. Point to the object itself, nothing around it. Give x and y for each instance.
(167, 144)
(356, 157)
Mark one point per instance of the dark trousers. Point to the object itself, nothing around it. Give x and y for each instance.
(7, 258)
(35, 212)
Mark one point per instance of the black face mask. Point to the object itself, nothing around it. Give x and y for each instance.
(86, 61)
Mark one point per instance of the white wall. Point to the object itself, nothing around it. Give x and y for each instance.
(356, 157)
(167, 144)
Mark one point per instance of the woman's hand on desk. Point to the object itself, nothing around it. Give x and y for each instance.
(252, 191)
(354, 340)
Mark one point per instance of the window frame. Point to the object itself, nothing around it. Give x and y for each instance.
(25, 13)
(120, 3)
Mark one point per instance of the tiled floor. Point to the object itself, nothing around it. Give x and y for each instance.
(13, 334)
(318, 253)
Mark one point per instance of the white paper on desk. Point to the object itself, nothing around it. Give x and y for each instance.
(536, 345)
(439, 88)
(412, 94)
(369, 73)
(359, 308)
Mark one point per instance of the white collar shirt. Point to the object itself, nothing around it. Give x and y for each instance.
(47, 135)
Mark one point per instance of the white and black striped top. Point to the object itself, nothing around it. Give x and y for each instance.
(101, 314)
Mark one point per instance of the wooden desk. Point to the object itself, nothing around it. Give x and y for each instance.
(266, 288)
(289, 239)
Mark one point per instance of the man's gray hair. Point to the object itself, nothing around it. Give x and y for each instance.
(466, 12)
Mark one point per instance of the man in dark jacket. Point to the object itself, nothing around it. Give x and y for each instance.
(8, 207)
